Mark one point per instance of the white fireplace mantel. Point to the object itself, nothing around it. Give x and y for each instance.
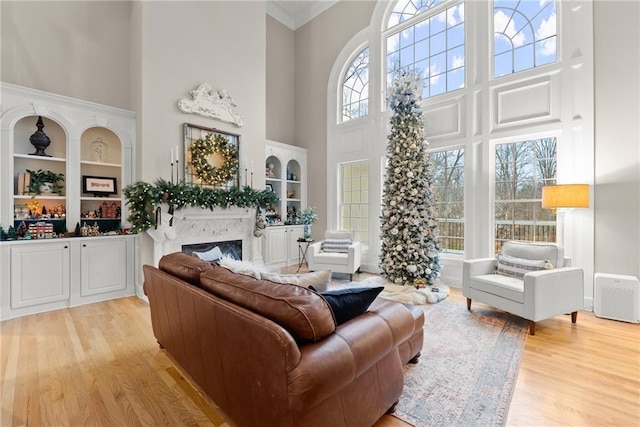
(195, 225)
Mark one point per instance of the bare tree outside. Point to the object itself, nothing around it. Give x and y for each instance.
(355, 89)
(448, 185)
(521, 170)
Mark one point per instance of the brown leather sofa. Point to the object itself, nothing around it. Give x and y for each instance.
(270, 354)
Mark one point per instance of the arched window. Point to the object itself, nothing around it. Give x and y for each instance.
(407, 9)
(430, 44)
(355, 88)
(525, 35)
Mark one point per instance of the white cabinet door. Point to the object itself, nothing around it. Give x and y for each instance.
(103, 266)
(39, 274)
(276, 245)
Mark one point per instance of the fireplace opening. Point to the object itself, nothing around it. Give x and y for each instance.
(213, 251)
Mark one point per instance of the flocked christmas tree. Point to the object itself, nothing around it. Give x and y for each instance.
(410, 248)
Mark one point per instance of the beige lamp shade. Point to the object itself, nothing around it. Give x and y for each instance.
(565, 196)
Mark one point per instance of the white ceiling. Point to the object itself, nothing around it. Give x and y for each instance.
(295, 13)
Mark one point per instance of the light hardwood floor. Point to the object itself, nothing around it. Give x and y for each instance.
(100, 365)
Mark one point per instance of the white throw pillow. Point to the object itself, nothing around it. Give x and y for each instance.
(243, 267)
(336, 245)
(518, 267)
(320, 280)
(213, 254)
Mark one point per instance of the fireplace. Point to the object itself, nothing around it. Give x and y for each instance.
(228, 248)
(195, 227)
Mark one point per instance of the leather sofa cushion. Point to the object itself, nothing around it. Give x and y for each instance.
(305, 314)
(184, 267)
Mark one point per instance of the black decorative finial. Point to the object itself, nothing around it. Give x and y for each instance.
(40, 140)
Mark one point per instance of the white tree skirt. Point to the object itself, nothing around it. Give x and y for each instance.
(408, 294)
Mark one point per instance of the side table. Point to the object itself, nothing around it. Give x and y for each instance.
(303, 247)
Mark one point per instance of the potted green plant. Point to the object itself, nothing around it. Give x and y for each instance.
(308, 216)
(45, 182)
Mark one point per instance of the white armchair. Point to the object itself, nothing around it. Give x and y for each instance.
(347, 261)
(538, 295)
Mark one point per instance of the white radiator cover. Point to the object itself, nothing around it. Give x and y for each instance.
(617, 297)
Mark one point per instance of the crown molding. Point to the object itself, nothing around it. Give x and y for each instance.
(294, 14)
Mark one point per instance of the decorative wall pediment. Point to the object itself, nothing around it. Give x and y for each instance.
(212, 104)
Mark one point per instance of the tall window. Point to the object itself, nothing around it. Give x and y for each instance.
(525, 35)
(448, 185)
(354, 203)
(522, 169)
(355, 88)
(433, 47)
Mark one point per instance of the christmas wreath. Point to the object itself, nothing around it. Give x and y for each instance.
(200, 151)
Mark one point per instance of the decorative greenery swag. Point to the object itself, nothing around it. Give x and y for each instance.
(143, 198)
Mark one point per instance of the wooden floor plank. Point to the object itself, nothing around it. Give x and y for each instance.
(99, 364)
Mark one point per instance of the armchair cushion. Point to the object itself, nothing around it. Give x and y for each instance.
(529, 250)
(338, 234)
(507, 287)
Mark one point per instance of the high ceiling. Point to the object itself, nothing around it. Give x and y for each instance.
(295, 13)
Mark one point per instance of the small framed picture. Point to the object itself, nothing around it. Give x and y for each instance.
(99, 185)
(269, 187)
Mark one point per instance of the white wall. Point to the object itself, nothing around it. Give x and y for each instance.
(317, 44)
(280, 74)
(184, 44)
(617, 129)
(77, 49)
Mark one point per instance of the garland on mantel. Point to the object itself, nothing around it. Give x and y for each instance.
(143, 198)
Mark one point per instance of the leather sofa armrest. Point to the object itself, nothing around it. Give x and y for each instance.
(476, 267)
(331, 364)
(549, 293)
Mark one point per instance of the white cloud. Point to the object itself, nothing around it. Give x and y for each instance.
(502, 24)
(455, 15)
(434, 73)
(458, 61)
(547, 29)
(392, 43)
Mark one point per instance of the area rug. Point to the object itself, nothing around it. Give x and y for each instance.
(468, 368)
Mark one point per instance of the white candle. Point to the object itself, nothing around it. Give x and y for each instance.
(172, 156)
(251, 166)
(177, 155)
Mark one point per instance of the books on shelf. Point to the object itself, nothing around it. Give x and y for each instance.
(24, 181)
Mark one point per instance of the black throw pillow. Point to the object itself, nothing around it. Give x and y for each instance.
(349, 303)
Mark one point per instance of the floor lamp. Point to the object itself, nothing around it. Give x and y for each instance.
(565, 196)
